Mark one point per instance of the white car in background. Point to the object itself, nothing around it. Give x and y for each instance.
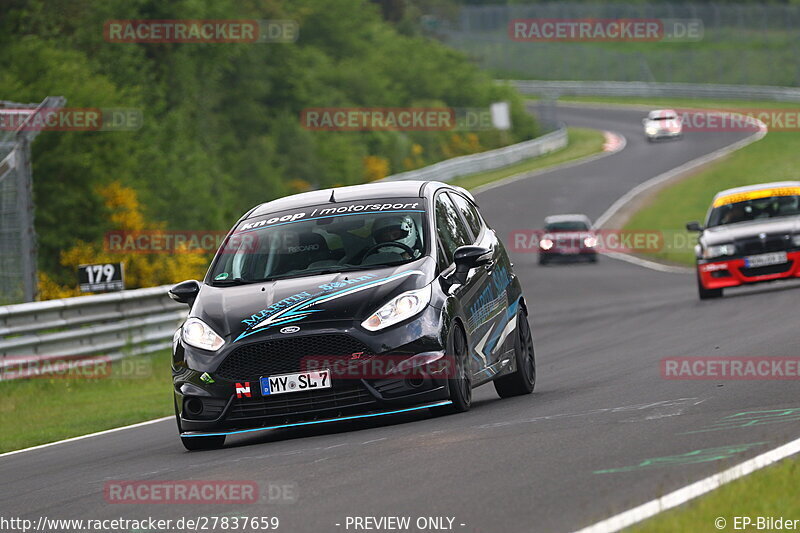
(661, 124)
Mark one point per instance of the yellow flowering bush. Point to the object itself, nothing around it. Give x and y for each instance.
(141, 269)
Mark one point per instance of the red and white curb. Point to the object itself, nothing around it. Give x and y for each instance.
(614, 142)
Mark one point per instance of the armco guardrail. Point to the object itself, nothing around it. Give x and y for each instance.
(489, 160)
(113, 325)
(554, 89)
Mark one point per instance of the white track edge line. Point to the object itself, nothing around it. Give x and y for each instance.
(689, 165)
(81, 437)
(653, 265)
(690, 492)
(657, 180)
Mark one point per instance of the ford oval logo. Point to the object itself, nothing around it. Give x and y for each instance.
(290, 329)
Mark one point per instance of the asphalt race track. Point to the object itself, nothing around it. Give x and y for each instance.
(580, 449)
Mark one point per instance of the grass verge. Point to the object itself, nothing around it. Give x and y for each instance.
(583, 142)
(40, 410)
(771, 492)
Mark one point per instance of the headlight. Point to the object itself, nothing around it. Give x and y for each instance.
(546, 244)
(399, 308)
(200, 335)
(651, 130)
(719, 250)
(796, 240)
(590, 242)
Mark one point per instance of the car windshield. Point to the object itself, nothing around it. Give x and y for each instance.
(662, 115)
(756, 209)
(296, 244)
(569, 225)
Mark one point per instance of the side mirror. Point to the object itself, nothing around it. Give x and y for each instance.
(185, 292)
(694, 226)
(470, 256)
(644, 121)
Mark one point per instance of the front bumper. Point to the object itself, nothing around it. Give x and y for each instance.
(719, 274)
(568, 253)
(204, 406)
(664, 134)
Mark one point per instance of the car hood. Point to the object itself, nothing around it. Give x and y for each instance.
(744, 230)
(240, 311)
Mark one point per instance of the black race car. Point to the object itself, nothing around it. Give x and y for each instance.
(345, 303)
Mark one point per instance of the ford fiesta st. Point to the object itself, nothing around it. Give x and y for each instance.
(751, 235)
(662, 124)
(359, 301)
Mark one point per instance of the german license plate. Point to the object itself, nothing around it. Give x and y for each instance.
(302, 381)
(775, 258)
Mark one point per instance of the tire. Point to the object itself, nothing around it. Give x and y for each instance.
(197, 443)
(706, 294)
(523, 380)
(593, 258)
(542, 260)
(203, 443)
(460, 385)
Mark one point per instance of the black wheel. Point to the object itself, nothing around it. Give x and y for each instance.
(706, 294)
(460, 383)
(203, 443)
(197, 443)
(593, 258)
(523, 380)
(542, 260)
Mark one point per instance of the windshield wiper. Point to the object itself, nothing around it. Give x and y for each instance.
(323, 271)
(235, 281)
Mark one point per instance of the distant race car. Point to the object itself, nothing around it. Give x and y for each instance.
(568, 237)
(751, 235)
(662, 124)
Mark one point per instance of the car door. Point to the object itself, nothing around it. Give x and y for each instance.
(493, 305)
(452, 232)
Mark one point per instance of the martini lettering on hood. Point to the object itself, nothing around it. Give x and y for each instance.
(296, 307)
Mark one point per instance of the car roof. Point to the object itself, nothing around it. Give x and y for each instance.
(757, 187)
(567, 218)
(661, 113)
(354, 193)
